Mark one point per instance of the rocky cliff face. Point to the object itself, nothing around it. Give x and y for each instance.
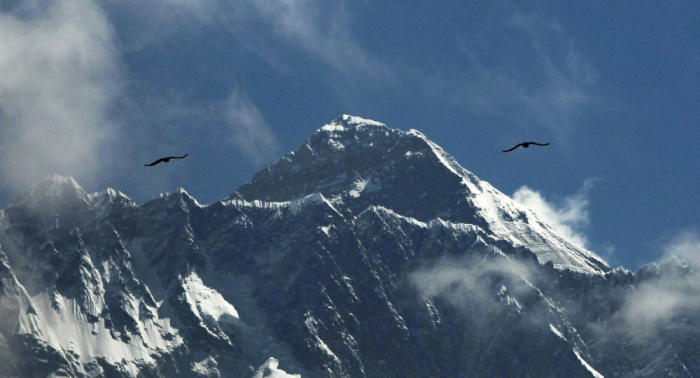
(367, 252)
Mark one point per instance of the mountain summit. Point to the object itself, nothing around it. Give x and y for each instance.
(362, 162)
(367, 252)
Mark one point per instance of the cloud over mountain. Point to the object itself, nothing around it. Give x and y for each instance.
(59, 72)
(569, 217)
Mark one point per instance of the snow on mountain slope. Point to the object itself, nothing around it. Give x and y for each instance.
(84, 303)
(368, 252)
(362, 162)
(116, 289)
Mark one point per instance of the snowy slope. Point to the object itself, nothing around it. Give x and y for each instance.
(362, 162)
(368, 252)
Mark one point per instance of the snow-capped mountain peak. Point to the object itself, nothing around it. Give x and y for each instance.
(367, 252)
(362, 163)
(52, 189)
(349, 122)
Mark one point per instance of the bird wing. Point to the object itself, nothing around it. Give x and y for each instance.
(540, 144)
(513, 148)
(155, 162)
(178, 157)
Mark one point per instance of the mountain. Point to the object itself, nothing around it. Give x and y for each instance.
(367, 252)
(361, 163)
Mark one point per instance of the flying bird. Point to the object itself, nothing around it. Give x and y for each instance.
(526, 145)
(165, 160)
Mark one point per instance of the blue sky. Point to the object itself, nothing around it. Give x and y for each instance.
(96, 89)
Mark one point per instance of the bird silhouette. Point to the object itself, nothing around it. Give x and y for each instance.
(165, 160)
(526, 145)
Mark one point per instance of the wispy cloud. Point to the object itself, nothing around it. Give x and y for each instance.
(141, 25)
(472, 284)
(323, 31)
(685, 245)
(58, 74)
(569, 79)
(248, 130)
(274, 30)
(656, 302)
(568, 217)
(672, 290)
(527, 68)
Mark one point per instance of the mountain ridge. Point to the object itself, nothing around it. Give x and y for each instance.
(362, 158)
(351, 280)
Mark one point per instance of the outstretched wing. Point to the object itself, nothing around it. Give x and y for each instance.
(165, 159)
(513, 148)
(539, 144)
(155, 162)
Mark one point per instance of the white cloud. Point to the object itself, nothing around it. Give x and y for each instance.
(58, 74)
(685, 245)
(568, 217)
(472, 284)
(658, 301)
(314, 28)
(672, 290)
(145, 24)
(322, 32)
(322, 29)
(569, 79)
(528, 69)
(248, 129)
